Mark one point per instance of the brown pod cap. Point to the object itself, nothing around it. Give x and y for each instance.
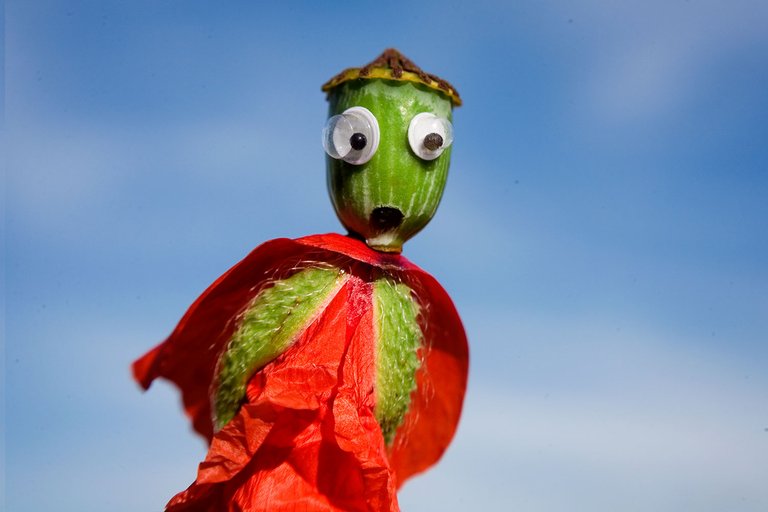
(393, 65)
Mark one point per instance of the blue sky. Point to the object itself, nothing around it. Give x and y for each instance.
(603, 234)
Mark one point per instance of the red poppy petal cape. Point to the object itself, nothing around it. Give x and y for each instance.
(309, 412)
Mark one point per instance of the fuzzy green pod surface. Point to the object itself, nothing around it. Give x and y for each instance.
(269, 325)
(398, 339)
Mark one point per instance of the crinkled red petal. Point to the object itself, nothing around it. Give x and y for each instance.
(306, 439)
(435, 407)
(189, 355)
(312, 425)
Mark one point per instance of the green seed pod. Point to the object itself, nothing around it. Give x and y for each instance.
(388, 143)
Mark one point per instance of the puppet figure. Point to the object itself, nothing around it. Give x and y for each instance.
(325, 371)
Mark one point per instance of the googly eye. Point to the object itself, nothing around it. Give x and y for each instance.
(352, 136)
(429, 135)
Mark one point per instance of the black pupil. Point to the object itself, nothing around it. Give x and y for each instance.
(358, 141)
(433, 141)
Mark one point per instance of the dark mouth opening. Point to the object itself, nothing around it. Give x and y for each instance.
(384, 218)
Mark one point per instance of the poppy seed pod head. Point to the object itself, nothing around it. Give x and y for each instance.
(388, 143)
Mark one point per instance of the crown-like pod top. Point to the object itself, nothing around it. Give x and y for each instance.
(388, 142)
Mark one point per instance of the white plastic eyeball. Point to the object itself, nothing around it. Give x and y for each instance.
(352, 136)
(429, 135)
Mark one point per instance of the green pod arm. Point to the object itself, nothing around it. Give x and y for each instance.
(267, 328)
(398, 339)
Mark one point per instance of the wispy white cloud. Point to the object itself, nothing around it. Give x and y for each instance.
(55, 175)
(599, 420)
(62, 171)
(650, 57)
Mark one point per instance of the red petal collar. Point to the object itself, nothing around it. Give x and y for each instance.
(188, 356)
